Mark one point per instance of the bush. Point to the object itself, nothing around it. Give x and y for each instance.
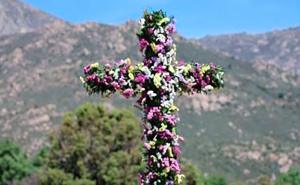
(264, 180)
(193, 176)
(290, 178)
(97, 144)
(215, 180)
(14, 164)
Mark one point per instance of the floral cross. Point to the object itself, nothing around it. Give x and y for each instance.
(157, 81)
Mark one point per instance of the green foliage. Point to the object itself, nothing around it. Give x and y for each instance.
(59, 177)
(97, 144)
(215, 180)
(14, 164)
(193, 176)
(290, 178)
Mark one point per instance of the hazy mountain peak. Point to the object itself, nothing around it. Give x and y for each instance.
(18, 17)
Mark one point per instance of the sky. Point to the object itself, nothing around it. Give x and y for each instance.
(195, 18)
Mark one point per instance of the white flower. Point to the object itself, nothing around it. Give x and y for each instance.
(151, 94)
(166, 104)
(170, 53)
(220, 77)
(116, 73)
(142, 23)
(208, 88)
(156, 32)
(161, 38)
(146, 70)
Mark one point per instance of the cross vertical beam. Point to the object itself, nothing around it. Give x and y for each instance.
(157, 80)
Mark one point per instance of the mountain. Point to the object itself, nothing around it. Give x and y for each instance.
(281, 47)
(17, 17)
(249, 128)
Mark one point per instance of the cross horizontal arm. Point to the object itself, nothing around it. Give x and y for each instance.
(195, 77)
(107, 79)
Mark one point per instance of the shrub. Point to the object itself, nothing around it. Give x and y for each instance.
(14, 164)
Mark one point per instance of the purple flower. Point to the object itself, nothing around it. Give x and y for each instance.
(149, 161)
(212, 66)
(93, 77)
(147, 62)
(170, 183)
(87, 68)
(182, 79)
(150, 30)
(207, 80)
(169, 41)
(199, 67)
(143, 44)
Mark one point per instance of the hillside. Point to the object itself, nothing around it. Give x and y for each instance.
(281, 47)
(17, 17)
(249, 128)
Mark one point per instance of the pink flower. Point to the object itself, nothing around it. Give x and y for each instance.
(143, 44)
(115, 85)
(140, 79)
(159, 48)
(140, 179)
(159, 69)
(175, 166)
(166, 162)
(168, 78)
(176, 150)
(147, 146)
(128, 93)
(181, 63)
(170, 29)
(150, 175)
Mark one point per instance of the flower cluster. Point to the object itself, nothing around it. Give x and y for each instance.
(157, 80)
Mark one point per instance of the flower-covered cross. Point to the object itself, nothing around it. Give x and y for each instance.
(157, 81)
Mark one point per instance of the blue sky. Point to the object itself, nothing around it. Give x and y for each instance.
(195, 18)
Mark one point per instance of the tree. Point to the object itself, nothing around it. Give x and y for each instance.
(14, 164)
(292, 177)
(97, 144)
(59, 177)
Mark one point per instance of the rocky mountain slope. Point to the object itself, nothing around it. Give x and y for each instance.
(281, 47)
(17, 17)
(250, 127)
